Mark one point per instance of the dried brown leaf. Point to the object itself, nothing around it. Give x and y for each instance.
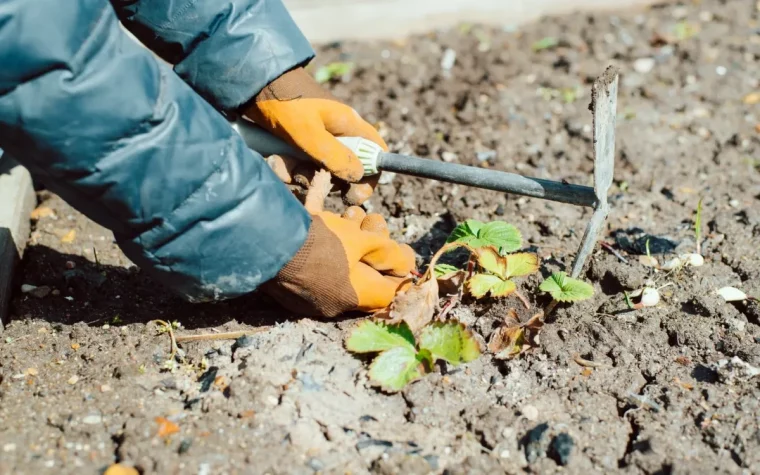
(318, 191)
(507, 342)
(450, 284)
(416, 305)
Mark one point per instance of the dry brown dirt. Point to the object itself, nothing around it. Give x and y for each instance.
(82, 370)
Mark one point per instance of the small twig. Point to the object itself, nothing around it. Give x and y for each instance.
(448, 306)
(523, 299)
(613, 251)
(169, 329)
(587, 363)
(219, 336)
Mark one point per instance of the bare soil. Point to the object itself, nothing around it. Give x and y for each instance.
(82, 368)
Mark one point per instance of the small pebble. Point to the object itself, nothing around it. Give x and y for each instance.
(485, 155)
(92, 419)
(448, 59)
(561, 448)
(73, 380)
(530, 412)
(643, 65)
(449, 156)
(104, 388)
(32, 372)
(9, 447)
(721, 70)
(733, 203)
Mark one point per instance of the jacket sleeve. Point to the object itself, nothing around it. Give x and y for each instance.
(100, 121)
(227, 50)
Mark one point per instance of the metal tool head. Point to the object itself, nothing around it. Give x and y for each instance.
(604, 110)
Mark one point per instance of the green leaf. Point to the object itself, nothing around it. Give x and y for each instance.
(442, 270)
(450, 342)
(395, 368)
(373, 337)
(505, 237)
(332, 71)
(566, 289)
(480, 284)
(545, 43)
(523, 263)
(465, 232)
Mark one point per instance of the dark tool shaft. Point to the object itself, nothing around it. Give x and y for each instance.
(488, 179)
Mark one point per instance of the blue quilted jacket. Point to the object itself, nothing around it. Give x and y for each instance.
(143, 148)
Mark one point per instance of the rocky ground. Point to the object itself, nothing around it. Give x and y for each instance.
(84, 381)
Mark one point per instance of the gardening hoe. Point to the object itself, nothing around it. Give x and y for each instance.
(603, 106)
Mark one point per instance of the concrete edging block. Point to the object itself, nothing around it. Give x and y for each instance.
(333, 20)
(17, 200)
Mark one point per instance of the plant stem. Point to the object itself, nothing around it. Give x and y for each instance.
(168, 327)
(446, 248)
(523, 299)
(219, 336)
(613, 251)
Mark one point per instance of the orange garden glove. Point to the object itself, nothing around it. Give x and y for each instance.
(297, 109)
(347, 263)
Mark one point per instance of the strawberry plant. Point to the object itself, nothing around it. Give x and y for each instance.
(499, 270)
(402, 358)
(413, 332)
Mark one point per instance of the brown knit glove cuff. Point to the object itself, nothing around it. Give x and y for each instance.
(316, 281)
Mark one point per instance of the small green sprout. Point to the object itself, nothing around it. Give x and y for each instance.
(545, 43)
(332, 71)
(402, 359)
(698, 227)
(497, 280)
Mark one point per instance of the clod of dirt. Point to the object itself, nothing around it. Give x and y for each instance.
(207, 378)
(561, 448)
(634, 241)
(534, 443)
(735, 369)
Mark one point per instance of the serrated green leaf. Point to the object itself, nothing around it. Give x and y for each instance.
(490, 260)
(374, 337)
(451, 342)
(442, 270)
(505, 237)
(566, 289)
(523, 263)
(480, 284)
(395, 368)
(465, 232)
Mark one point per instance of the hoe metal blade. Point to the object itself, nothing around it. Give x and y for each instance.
(604, 109)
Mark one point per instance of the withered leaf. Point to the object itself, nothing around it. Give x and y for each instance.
(450, 283)
(416, 306)
(507, 342)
